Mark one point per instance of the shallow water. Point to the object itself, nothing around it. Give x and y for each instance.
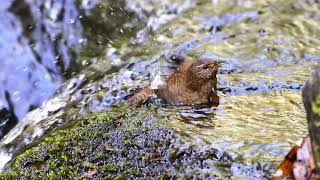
(272, 50)
(270, 47)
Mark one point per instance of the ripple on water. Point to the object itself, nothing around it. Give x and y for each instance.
(256, 127)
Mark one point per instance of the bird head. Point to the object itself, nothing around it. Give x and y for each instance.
(204, 70)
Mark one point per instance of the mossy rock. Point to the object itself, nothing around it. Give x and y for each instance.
(115, 146)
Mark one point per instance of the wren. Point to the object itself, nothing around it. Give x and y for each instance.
(192, 83)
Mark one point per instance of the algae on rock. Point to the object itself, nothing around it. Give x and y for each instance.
(117, 145)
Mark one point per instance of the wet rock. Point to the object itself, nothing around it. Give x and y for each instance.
(116, 146)
(7, 121)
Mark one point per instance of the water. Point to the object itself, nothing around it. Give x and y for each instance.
(270, 47)
(44, 43)
(34, 51)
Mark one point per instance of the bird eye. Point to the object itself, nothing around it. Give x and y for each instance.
(205, 67)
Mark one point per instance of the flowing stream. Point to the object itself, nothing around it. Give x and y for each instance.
(63, 65)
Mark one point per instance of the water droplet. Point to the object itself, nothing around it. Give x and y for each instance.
(81, 40)
(16, 93)
(17, 99)
(72, 21)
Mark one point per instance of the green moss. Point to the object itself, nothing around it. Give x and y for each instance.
(120, 177)
(316, 105)
(57, 154)
(10, 174)
(115, 145)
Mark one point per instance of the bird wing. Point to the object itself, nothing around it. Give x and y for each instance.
(168, 67)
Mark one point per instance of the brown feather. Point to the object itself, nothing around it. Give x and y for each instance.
(141, 95)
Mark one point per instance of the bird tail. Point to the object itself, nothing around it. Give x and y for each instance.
(141, 96)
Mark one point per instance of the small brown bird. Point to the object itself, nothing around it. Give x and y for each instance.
(192, 83)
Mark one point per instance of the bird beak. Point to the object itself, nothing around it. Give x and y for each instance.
(217, 64)
(220, 63)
